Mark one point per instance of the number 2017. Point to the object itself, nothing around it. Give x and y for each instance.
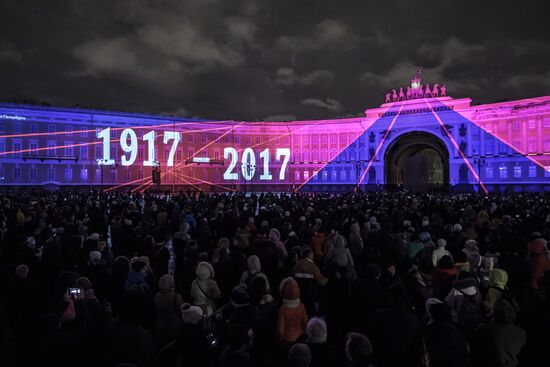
(248, 163)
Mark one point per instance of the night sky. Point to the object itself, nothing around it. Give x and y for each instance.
(267, 60)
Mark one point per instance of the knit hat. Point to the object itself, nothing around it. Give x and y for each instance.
(275, 234)
(465, 280)
(166, 282)
(95, 255)
(441, 242)
(94, 237)
(223, 242)
(292, 234)
(22, 271)
(289, 289)
(339, 241)
(191, 314)
(424, 236)
(254, 264)
(457, 228)
(84, 283)
(204, 271)
(239, 295)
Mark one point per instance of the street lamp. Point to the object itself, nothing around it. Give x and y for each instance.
(479, 162)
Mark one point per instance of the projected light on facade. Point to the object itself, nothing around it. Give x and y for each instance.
(419, 134)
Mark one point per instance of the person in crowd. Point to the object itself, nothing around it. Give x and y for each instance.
(299, 355)
(358, 350)
(538, 262)
(317, 340)
(292, 317)
(396, 333)
(499, 342)
(444, 344)
(168, 305)
(79, 270)
(204, 290)
(440, 251)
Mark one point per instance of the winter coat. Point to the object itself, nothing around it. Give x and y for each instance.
(291, 321)
(498, 279)
(204, 290)
(445, 345)
(306, 268)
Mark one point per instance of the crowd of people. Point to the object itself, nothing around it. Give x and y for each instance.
(209, 279)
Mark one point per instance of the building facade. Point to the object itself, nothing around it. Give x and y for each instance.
(416, 142)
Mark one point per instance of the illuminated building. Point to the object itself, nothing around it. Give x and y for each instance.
(414, 140)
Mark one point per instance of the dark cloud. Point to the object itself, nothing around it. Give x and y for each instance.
(266, 60)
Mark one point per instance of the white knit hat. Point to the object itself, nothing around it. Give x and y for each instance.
(191, 314)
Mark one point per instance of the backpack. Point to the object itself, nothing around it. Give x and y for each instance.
(469, 313)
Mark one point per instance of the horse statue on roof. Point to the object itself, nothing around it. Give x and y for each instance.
(394, 96)
(435, 90)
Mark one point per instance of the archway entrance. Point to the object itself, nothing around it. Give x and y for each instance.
(417, 161)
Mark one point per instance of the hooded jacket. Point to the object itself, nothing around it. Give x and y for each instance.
(498, 279)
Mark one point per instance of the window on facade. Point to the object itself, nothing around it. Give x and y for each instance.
(51, 174)
(297, 175)
(532, 124)
(547, 145)
(190, 138)
(140, 174)
(489, 147)
(16, 173)
(325, 175)
(488, 172)
(297, 157)
(68, 174)
(140, 154)
(51, 149)
(99, 152)
(315, 156)
(502, 126)
(17, 128)
(333, 175)
(113, 153)
(503, 172)
(204, 154)
(190, 154)
(247, 140)
(68, 149)
(343, 175)
(69, 130)
(517, 171)
(84, 152)
(34, 128)
(237, 139)
(51, 129)
(532, 146)
(547, 123)
(227, 139)
(33, 147)
(216, 155)
(83, 132)
(502, 148)
(532, 171)
(126, 174)
(258, 139)
(204, 138)
(178, 155)
(113, 175)
(517, 125)
(517, 145)
(84, 174)
(17, 149)
(306, 175)
(32, 173)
